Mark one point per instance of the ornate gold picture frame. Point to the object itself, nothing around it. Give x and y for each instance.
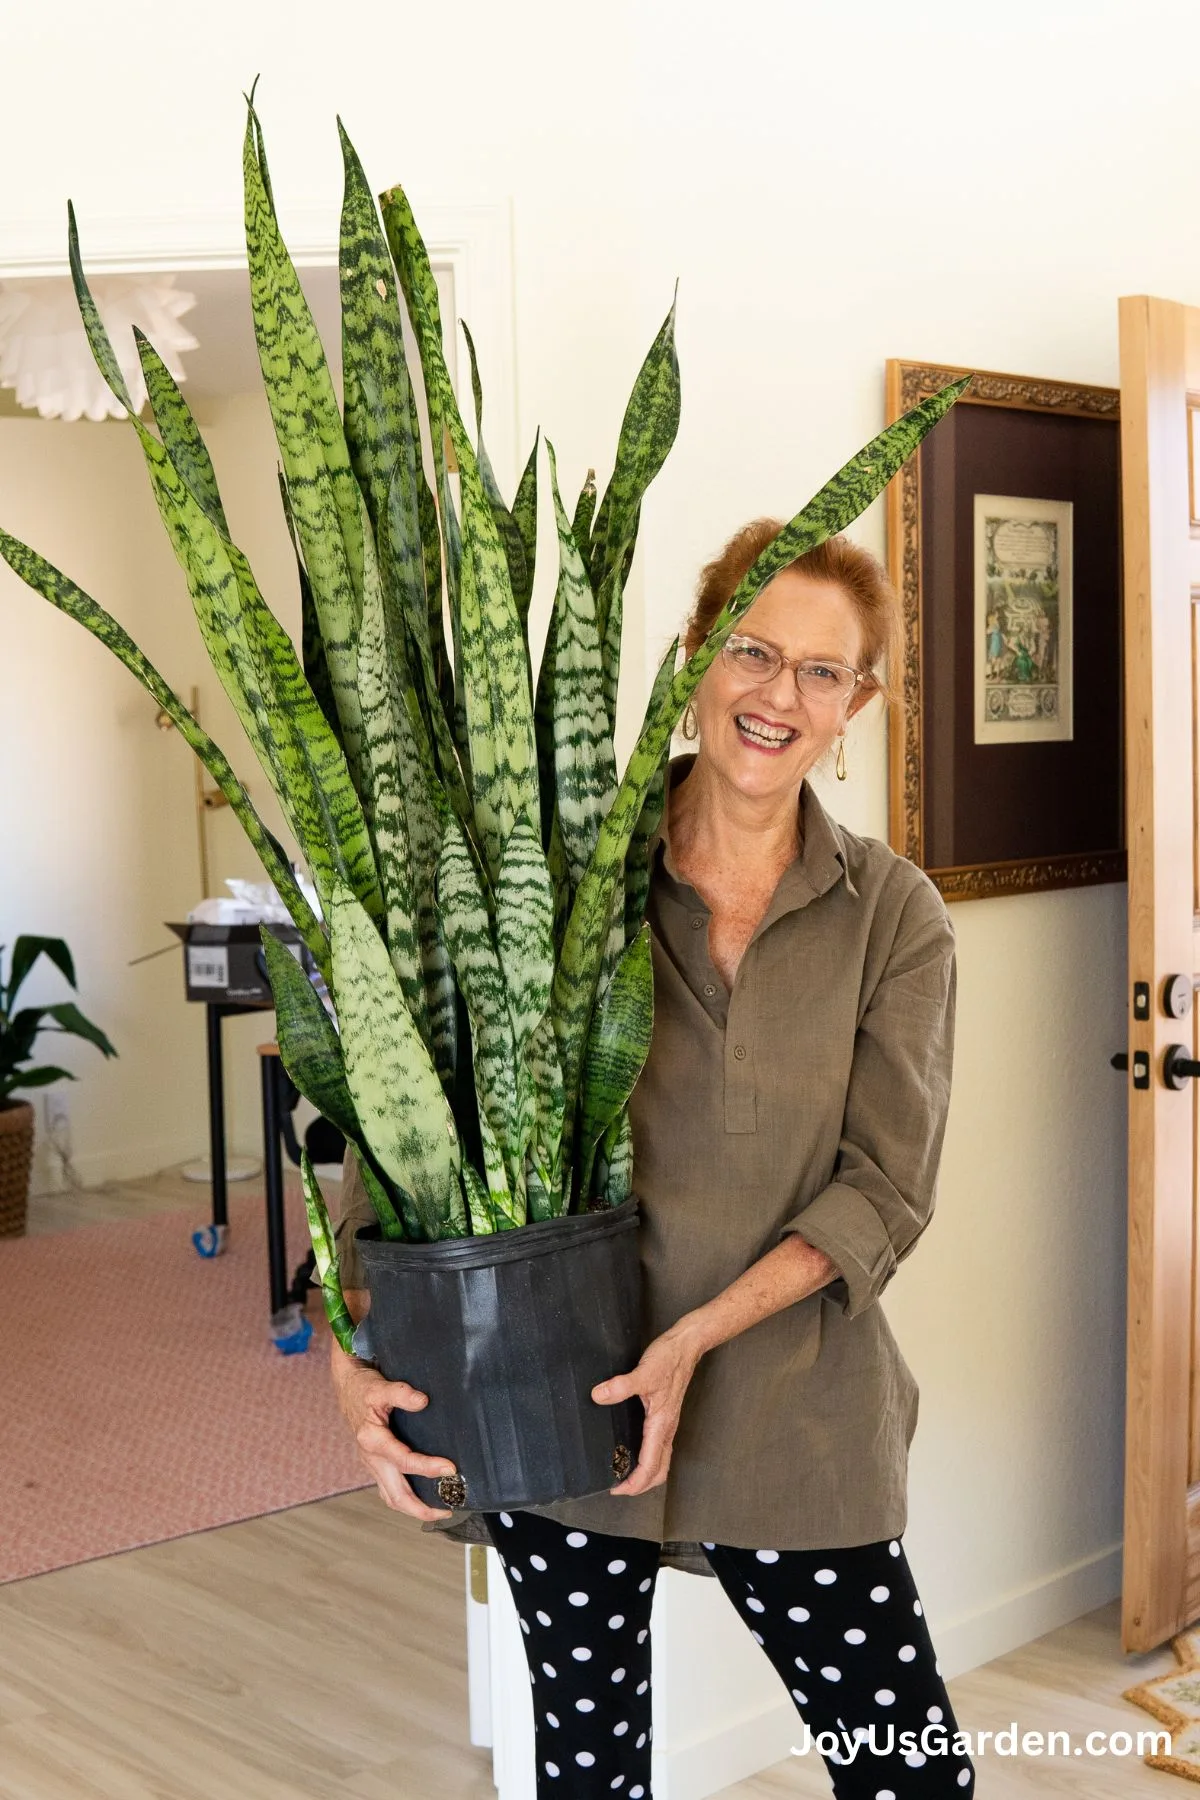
(1038, 803)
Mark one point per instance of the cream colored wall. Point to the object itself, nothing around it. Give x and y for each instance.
(833, 187)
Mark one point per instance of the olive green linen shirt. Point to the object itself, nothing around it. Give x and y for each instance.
(811, 1098)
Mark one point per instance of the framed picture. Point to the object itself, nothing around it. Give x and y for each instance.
(1004, 544)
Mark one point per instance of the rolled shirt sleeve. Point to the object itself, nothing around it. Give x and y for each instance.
(884, 1184)
(355, 1210)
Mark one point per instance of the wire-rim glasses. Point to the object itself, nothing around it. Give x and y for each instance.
(816, 678)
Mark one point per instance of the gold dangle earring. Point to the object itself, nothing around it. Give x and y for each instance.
(840, 766)
(690, 726)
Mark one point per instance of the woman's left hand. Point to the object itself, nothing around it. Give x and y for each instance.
(660, 1380)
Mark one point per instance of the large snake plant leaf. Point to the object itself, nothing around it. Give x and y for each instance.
(308, 1041)
(463, 905)
(637, 857)
(383, 719)
(252, 654)
(837, 505)
(308, 427)
(64, 594)
(509, 531)
(329, 1273)
(406, 1121)
(617, 1153)
(524, 930)
(494, 657)
(312, 644)
(648, 431)
(617, 1047)
(524, 512)
(480, 1204)
(581, 522)
(381, 425)
(584, 762)
(179, 432)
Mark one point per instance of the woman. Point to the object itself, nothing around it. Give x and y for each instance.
(787, 1129)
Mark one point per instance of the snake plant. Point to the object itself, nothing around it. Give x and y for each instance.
(481, 870)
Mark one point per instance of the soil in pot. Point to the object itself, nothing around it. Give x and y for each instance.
(508, 1334)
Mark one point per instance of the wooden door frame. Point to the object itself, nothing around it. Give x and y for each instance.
(1161, 1586)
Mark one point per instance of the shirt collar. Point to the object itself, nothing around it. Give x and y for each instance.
(822, 860)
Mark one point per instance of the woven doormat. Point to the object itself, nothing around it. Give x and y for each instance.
(141, 1397)
(1174, 1699)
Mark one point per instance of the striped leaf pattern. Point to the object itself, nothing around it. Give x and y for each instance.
(524, 512)
(617, 1047)
(307, 1039)
(326, 500)
(462, 902)
(329, 1274)
(637, 857)
(584, 763)
(494, 658)
(393, 1224)
(405, 1119)
(180, 433)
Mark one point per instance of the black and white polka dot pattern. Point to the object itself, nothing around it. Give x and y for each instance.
(843, 1628)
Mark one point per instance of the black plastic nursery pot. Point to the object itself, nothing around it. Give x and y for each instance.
(507, 1334)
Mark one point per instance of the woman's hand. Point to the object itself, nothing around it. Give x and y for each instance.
(660, 1380)
(366, 1400)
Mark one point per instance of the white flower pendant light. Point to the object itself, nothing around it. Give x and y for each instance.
(44, 352)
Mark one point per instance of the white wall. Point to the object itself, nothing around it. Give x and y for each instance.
(833, 186)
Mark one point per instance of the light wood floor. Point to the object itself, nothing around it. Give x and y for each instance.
(320, 1654)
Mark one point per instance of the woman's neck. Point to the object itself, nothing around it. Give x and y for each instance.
(710, 819)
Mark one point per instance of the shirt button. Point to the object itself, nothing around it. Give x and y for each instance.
(697, 924)
(739, 1050)
(709, 990)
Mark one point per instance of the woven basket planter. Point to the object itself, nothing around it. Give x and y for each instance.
(16, 1164)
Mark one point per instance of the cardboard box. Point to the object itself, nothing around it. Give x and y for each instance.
(226, 963)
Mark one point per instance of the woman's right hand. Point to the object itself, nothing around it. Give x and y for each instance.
(366, 1399)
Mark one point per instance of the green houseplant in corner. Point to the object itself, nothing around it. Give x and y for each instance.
(20, 1029)
(481, 870)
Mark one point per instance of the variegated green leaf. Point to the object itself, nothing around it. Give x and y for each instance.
(329, 1274)
(524, 930)
(584, 763)
(838, 503)
(506, 525)
(480, 1204)
(524, 512)
(617, 1047)
(647, 433)
(617, 1151)
(637, 857)
(63, 593)
(401, 1108)
(179, 432)
(308, 1041)
(493, 655)
(308, 427)
(462, 902)
(581, 524)
(383, 718)
(393, 1224)
(544, 1193)
(312, 645)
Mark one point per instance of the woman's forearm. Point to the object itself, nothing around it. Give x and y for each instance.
(789, 1272)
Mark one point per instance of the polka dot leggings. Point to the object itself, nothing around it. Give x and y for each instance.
(843, 1628)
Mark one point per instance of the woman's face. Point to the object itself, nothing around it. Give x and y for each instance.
(806, 620)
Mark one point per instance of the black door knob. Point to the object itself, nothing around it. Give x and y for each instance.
(1178, 1066)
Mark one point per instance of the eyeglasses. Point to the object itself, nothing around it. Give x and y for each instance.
(816, 680)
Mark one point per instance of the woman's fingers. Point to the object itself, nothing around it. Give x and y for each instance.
(390, 1461)
(654, 1457)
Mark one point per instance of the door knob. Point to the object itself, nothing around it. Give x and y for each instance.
(1178, 1066)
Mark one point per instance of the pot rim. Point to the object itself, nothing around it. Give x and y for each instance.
(542, 1238)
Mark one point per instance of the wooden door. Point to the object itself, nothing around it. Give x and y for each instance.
(1160, 408)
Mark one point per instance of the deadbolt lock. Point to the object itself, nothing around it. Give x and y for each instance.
(1177, 996)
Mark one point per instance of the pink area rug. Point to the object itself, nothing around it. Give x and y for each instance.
(141, 1397)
